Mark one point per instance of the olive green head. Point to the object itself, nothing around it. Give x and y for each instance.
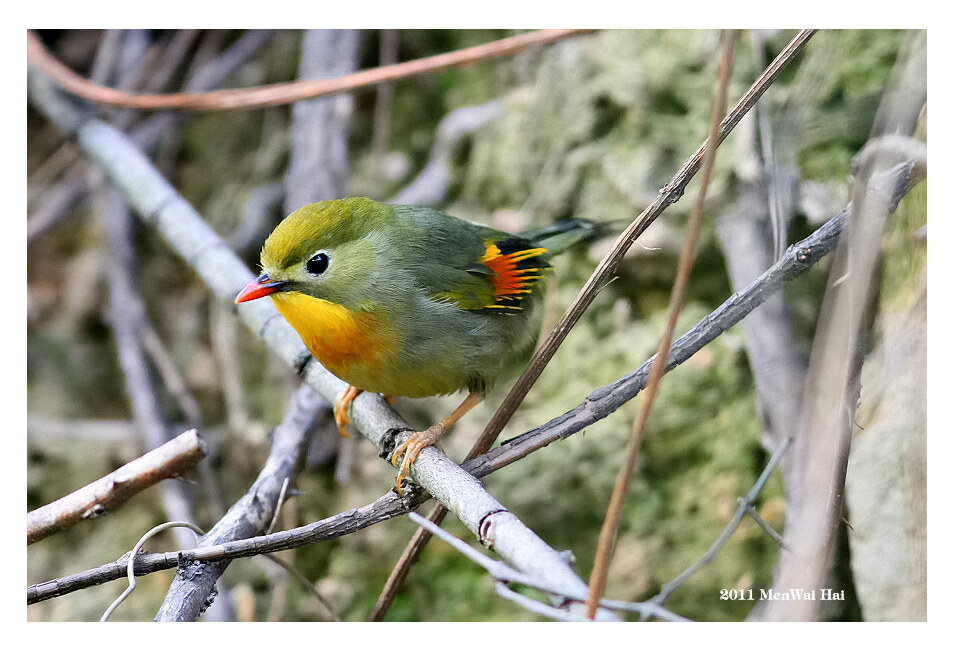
(323, 249)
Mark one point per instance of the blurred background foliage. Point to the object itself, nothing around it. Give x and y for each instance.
(591, 127)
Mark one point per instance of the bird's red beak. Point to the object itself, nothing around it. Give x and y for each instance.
(261, 286)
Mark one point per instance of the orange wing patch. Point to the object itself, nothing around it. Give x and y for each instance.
(515, 270)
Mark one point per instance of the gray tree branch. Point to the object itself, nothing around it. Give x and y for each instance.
(194, 585)
(826, 421)
(108, 493)
(318, 170)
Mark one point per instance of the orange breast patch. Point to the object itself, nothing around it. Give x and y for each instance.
(336, 336)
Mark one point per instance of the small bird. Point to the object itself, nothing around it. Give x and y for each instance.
(410, 301)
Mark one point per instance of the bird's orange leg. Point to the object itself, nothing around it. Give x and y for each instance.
(341, 407)
(388, 399)
(420, 440)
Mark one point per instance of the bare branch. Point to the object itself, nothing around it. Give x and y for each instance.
(826, 422)
(745, 503)
(192, 589)
(276, 94)
(503, 574)
(171, 376)
(108, 493)
(607, 539)
(332, 527)
(604, 271)
(57, 204)
(603, 401)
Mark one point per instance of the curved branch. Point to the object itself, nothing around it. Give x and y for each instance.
(285, 93)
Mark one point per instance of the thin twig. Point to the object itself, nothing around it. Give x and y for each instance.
(597, 280)
(534, 606)
(603, 401)
(171, 377)
(744, 503)
(286, 93)
(132, 561)
(607, 540)
(607, 266)
(108, 493)
(53, 167)
(332, 527)
(57, 204)
(278, 506)
(60, 202)
(759, 520)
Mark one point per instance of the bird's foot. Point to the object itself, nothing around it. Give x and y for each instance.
(341, 407)
(412, 447)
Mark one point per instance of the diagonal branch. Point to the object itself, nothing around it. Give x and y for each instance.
(607, 539)
(604, 271)
(61, 201)
(597, 280)
(745, 506)
(106, 494)
(502, 575)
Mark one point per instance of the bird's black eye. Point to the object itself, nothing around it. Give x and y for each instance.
(318, 263)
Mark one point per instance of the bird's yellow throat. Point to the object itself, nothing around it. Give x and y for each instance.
(338, 337)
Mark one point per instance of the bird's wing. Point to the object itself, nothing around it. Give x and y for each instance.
(476, 267)
(510, 268)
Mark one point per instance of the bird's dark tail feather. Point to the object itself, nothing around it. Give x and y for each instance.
(558, 237)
